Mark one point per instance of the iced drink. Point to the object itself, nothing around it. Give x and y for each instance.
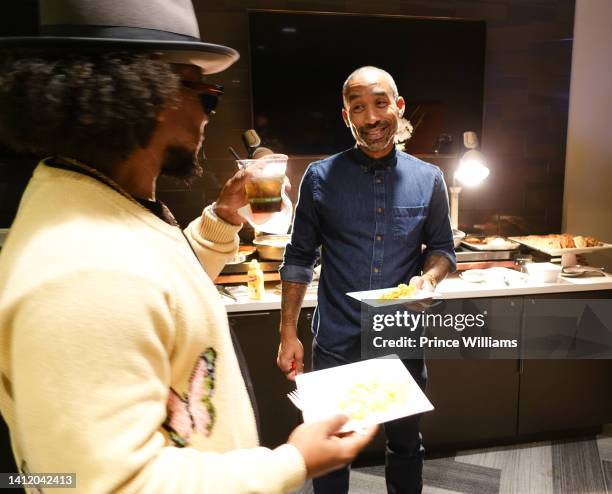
(265, 182)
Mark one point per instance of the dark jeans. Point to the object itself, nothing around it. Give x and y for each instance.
(404, 452)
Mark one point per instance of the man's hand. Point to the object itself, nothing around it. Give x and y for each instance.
(231, 198)
(323, 450)
(290, 358)
(435, 269)
(426, 282)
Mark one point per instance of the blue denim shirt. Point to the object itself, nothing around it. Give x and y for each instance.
(369, 218)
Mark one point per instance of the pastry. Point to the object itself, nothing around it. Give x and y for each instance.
(560, 241)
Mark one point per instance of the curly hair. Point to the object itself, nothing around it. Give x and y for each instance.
(97, 108)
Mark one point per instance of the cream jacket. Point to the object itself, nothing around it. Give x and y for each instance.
(116, 361)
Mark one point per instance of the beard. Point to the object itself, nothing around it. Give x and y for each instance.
(182, 164)
(385, 132)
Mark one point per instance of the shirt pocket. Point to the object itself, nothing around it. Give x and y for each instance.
(407, 222)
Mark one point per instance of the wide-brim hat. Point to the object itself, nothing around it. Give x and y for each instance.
(168, 28)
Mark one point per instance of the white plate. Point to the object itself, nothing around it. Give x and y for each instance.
(474, 275)
(496, 275)
(377, 390)
(372, 297)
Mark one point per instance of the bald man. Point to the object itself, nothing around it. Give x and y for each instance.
(370, 209)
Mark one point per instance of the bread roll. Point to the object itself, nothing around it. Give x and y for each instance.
(580, 242)
(567, 241)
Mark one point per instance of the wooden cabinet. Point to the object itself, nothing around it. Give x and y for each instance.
(557, 395)
(475, 398)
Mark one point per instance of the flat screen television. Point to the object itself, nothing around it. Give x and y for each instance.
(299, 62)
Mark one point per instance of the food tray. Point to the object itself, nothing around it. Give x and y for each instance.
(561, 252)
(509, 245)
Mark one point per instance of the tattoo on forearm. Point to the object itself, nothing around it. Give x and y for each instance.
(291, 302)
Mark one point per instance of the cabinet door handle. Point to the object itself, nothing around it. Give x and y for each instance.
(249, 314)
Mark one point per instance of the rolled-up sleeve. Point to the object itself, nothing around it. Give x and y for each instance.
(302, 251)
(438, 231)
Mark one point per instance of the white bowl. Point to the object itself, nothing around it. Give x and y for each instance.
(271, 247)
(543, 272)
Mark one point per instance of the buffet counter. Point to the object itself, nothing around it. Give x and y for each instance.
(453, 287)
(478, 401)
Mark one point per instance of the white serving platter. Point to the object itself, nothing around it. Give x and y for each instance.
(369, 392)
(561, 252)
(372, 297)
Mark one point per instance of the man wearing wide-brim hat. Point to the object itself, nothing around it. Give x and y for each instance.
(116, 361)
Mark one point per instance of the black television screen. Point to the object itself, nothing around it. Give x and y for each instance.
(299, 62)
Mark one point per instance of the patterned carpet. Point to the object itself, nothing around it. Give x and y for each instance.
(557, 467)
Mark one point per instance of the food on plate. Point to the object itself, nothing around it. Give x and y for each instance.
(364, 398)
(560, 241)
(401, 291)
(582, 242)
(497, 242)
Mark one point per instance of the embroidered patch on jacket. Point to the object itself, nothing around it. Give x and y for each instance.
(194, 410)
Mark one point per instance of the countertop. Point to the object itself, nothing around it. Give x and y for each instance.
(452, 287)
(271, 301)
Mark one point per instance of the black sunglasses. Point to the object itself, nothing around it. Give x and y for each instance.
(209, 94)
